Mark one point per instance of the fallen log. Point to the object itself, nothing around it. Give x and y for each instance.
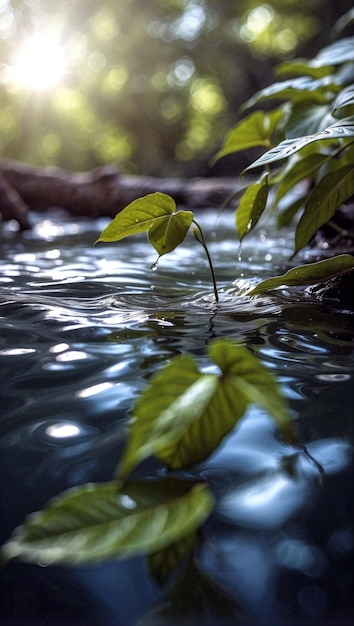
(102, 191)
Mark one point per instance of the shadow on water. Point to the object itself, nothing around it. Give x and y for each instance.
(81, 331)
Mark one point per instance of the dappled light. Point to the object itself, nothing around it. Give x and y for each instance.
(151, 87)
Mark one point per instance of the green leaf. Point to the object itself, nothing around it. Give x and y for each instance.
(162, 564)
(324, 200)
(249, 377)
(286, 216)
(254, 130)
(139, 216)
(309, 274)
(301, 67)
(344, 103)
(307, 118)
(340, 130)
(95, 522)
(299, 170)
(251, 206)
(298, 88)
(337, 53)
(164, 414)
(167, 233)
(183, 414)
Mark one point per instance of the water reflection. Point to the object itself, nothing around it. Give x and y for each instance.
(82, 330)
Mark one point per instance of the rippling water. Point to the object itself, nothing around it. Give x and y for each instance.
(81, 330)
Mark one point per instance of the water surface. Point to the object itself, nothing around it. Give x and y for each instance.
(82, 329)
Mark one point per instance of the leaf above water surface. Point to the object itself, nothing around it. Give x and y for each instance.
(308, 274)
(154, 213)
(327, 196)
(99, 521)
(251, 206)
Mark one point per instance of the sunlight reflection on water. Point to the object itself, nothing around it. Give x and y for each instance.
(82, 329)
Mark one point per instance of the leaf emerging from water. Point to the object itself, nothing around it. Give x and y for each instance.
(88, 524)
(308, 274)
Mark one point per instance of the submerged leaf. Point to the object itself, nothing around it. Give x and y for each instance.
(251, 206)
(138, 216)
(324, 200)
(95, 522)
(308, 274)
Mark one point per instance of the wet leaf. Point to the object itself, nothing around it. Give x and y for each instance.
(167, 233)
(163, 563)
(183, 414)
(324, 200)
(251, 206)
(343, 129)
(171, 418)
(95, 522)
(249, 377)
(254, 130)
(139, 216)
(308, 274)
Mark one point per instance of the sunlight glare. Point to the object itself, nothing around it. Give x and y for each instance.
(40, 63)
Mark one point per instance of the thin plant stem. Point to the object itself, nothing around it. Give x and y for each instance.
(198, 234)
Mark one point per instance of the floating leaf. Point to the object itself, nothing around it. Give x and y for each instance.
(139, 216)
(251, 206)
(324, 200)
(308, 274)
(167, 233)
(254, 130)
(340, 130)
(183, 414)
(98, 521)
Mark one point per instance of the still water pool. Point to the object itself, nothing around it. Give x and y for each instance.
(81, 331)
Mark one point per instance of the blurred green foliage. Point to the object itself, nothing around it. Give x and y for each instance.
(151, 86)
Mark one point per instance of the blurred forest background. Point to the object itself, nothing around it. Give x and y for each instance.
(151, 86)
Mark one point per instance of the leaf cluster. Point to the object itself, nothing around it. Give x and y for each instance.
(309, 137)
(180, 418)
